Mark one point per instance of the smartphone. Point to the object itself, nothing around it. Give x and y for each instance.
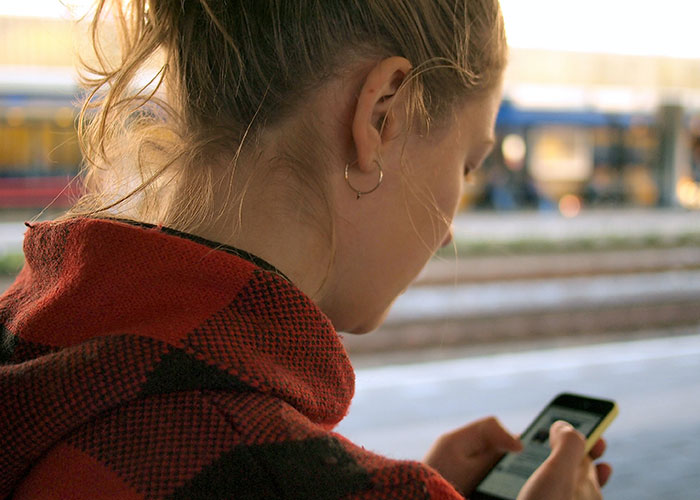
(590, 416)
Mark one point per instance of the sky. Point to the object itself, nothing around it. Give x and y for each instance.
(636, 27)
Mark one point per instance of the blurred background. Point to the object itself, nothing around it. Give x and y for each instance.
(576, 263)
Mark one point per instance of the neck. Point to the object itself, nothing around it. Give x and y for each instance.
(266, 224)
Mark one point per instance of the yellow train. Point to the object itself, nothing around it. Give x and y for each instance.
(39, 152)
(555, 159)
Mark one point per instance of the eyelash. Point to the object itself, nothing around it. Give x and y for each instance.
(468, 169)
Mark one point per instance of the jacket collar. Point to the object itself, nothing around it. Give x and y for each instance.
(194, 315)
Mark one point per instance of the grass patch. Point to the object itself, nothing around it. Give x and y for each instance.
(536, 246)
(11, 263)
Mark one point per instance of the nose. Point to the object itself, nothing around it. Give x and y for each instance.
(448, 237)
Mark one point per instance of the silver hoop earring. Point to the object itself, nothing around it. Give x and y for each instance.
(357, 191)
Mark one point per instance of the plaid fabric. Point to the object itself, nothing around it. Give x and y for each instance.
(136, 363)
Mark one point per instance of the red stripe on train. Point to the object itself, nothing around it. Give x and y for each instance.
(26, 192)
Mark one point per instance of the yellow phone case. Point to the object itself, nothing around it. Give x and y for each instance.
(598, 431)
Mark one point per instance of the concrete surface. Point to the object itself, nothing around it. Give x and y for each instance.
(654, 445)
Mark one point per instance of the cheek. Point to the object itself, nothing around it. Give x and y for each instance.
(434, 219)
(449, 194)
(456, 195)
(448, 180)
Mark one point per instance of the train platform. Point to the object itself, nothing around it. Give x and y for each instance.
(401, 406)
(595, 223)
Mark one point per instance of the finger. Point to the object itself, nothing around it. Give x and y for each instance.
(604, 471)
(598, 449)
(496, 437)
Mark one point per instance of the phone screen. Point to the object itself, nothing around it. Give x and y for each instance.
(510, 474)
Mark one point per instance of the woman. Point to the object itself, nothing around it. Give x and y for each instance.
(285, 175)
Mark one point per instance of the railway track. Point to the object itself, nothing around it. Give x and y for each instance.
(486, 300)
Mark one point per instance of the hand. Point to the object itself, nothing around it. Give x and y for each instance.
(568, 473)
(464, 456)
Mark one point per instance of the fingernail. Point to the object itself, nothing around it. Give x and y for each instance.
(562, 425)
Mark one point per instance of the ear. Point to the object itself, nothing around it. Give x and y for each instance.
(378, 115)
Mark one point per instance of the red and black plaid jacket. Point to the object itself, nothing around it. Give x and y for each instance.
(137, 362)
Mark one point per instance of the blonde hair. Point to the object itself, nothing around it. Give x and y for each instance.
(230, 69)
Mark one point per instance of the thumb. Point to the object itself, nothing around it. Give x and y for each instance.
(568, 445)
(556, 477)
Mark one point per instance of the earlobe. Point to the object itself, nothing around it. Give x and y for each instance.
(376, 118)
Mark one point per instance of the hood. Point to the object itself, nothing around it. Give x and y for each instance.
(106, 311)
